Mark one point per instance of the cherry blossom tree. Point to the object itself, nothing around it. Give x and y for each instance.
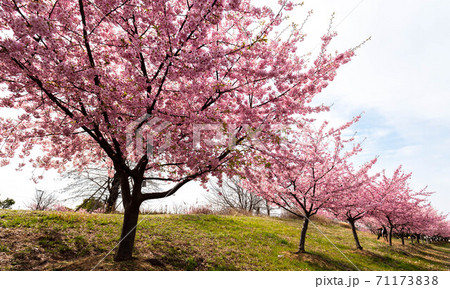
(396, 202)
(93, 76)
(356, 202)
(305, 174)
(407, 213)
(441, 227)
(425, 221)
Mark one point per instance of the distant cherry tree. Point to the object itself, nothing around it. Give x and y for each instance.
(358, 201)
(396, 201)
(306, 174)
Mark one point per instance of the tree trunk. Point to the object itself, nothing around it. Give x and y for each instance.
(113, 194)
(268, 208)
(412, 239)
(355, 234)
(418, 238)
(132, 200)
(301, 247)
(126, 245)
(403, 239)
(390, 235)
(131, 204)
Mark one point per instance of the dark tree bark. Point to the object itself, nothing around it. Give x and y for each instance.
(390, 235)
(391, 229)
(128, 235)
(113, 194)
(131, 202)
(355, 234)
(412, 239)
(267, 207)
(403, 239)
(132, 198)
(301, 247)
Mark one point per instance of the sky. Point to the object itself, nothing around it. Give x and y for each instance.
(399, 80)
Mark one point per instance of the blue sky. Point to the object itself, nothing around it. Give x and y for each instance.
(399, 79)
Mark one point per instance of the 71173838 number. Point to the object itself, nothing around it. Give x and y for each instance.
(407, 280)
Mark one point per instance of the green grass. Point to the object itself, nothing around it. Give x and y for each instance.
(73, 241)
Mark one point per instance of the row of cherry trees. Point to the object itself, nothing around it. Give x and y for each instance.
(312, 171)
(137, 85)
(87, 77)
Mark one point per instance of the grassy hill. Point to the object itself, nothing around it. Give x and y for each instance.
(74, 241)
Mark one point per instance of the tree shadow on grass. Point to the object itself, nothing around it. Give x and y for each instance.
(321, 262)
(107, 264)
(389, 263)
(435, 252)
(182, 257)
(431, 256)
(441, 247)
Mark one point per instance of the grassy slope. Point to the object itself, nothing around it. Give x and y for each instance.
(72, 241)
